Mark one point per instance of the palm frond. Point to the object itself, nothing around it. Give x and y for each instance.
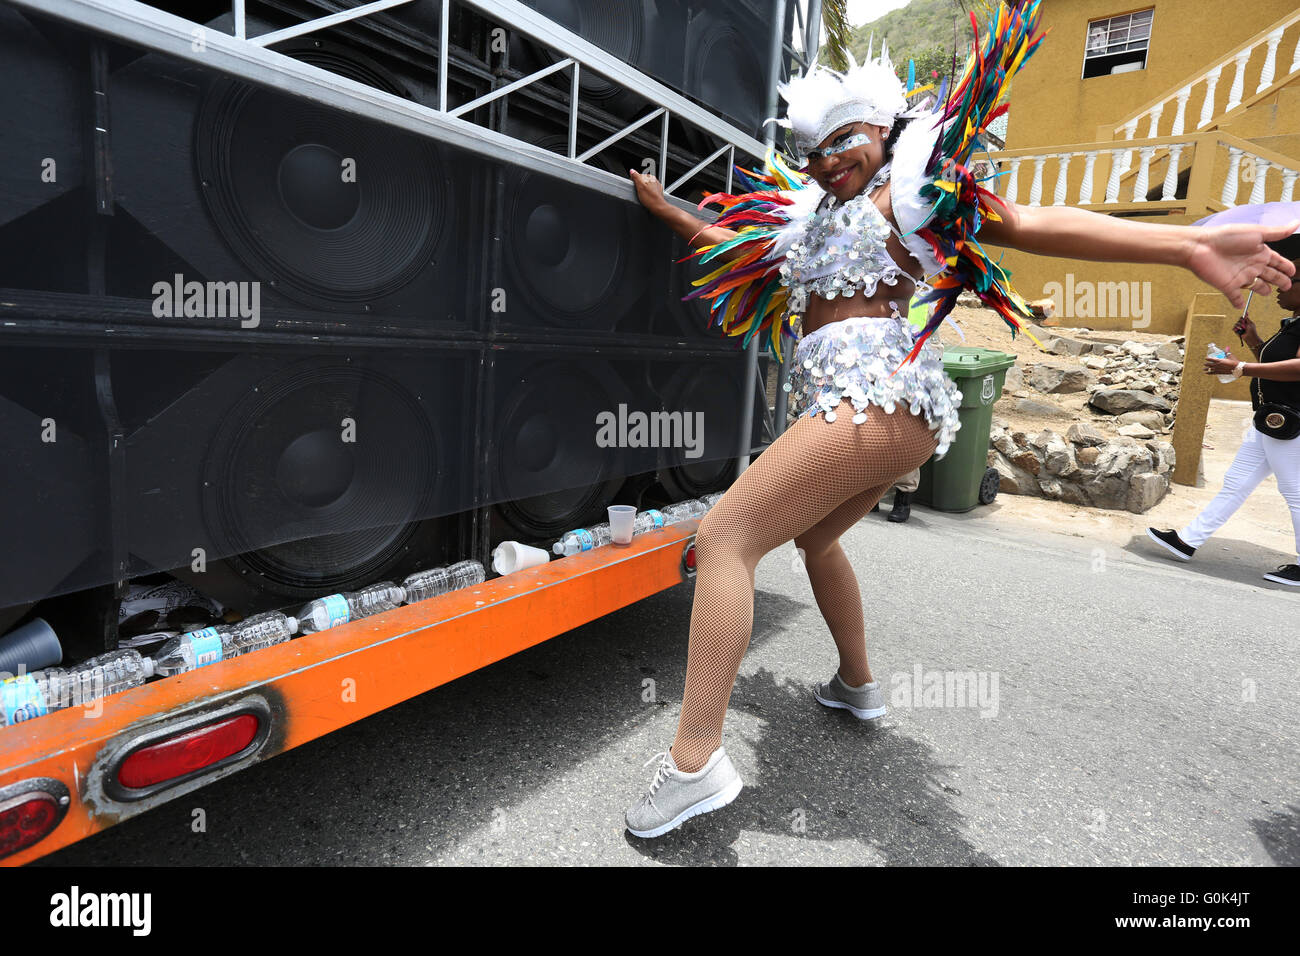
(838, 33)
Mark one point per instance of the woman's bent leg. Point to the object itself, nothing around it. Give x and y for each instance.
(834, 584)
(813, 468)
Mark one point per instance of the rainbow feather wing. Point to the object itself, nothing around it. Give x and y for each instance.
(745, 294)
(960, 202)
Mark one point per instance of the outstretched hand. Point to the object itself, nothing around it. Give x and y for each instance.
(1234, 259)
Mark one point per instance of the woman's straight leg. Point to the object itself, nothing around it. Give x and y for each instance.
(1284, 458)
(808, 472)
(1247, 470)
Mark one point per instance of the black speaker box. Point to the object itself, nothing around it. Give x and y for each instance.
(729, 58)
(574, 262)
(330, 212)
(52, 508)
(312, 471)
(561, 449)
(383, 398)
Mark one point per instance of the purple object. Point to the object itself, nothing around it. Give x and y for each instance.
(1262, 214)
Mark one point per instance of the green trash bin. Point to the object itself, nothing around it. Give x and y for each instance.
(962, 479)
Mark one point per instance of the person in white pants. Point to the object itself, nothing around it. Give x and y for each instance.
(1260, 455)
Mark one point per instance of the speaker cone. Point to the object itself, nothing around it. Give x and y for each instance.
(613, 27)
(546, 439)
(715, 391)
(337, 211)
(577, 257)
(316, 448)
(724, 71)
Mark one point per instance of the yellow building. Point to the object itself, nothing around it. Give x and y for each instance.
(1165, 111)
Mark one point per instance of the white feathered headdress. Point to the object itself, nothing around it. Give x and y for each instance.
(822, 100)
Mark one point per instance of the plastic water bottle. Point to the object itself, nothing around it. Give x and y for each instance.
(583, 539)
(192, 650)
(262, 630)
(712, 499)
(685, 511)
(1215, 352)
(212, 644)
(652, 519)
(35, 695)
(335, 609)
(427, 584)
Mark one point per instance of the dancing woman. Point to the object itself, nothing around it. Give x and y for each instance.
(887, 201)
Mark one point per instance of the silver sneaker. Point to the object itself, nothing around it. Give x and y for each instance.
(675, 797)
(865, 703)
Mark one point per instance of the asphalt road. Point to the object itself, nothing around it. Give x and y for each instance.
(1134, 711)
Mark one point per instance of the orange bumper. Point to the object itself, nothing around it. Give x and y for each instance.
(317, 683)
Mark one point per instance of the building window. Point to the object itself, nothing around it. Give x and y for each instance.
(1118, 44)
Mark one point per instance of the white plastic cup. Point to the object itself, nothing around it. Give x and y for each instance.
(511, 556)
(622, 521)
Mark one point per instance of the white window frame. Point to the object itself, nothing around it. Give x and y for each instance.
(1115, 26)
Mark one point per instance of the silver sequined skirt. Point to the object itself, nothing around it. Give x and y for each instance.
(852, 358)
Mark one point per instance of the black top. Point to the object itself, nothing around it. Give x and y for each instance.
(1284, 344)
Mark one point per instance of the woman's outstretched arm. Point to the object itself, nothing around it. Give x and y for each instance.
(693, 229)
(1230, 258)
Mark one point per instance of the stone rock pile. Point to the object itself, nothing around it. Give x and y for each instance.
(1083, 467)
(1136, 382)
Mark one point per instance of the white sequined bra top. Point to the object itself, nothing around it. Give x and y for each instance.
(841, 250)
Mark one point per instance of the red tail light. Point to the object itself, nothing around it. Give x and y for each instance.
(28, 817)
(187, 752)
(690, 558)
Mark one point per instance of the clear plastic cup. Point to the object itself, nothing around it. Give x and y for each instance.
(622, 519)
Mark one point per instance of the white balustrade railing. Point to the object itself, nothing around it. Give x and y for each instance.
(1272, 42)
(1243, 167)
(1229, 194)
(1184, 95)
(1247, 167)
(1207, 107)
(1036, 187)
(1238, 82)
(1062, 178)
(1085, 187)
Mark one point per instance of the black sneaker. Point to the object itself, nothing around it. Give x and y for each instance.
(1286, 574)
(902, 506)
(1172, 543)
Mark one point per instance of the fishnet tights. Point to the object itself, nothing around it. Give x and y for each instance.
(811, 485)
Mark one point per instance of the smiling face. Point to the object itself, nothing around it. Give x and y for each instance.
(846, 174)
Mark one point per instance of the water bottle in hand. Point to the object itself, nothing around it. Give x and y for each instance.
(1215, 352)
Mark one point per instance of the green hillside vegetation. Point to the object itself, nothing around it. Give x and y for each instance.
(916, 30)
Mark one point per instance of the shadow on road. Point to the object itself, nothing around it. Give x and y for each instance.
(827, 776)
(1279, 832)
(1227, 559)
